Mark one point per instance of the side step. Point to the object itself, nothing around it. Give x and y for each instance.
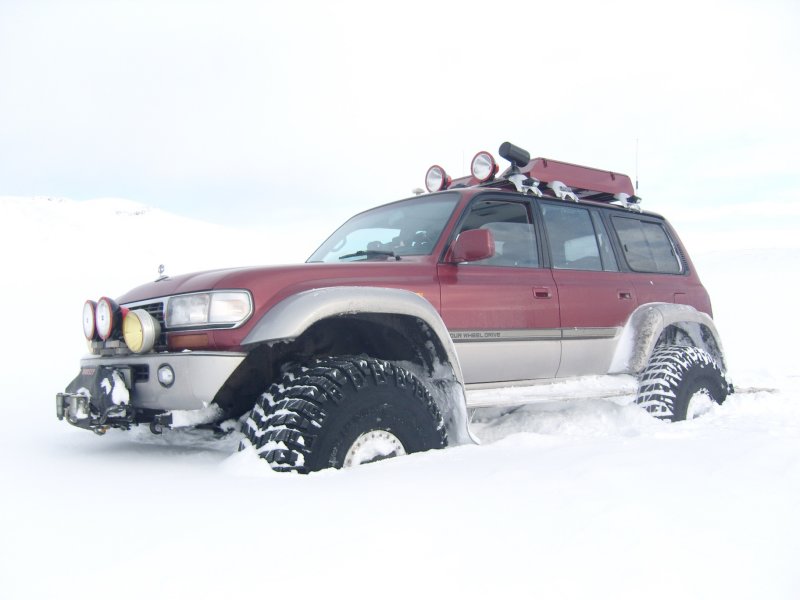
(602, 387)
(551, 390)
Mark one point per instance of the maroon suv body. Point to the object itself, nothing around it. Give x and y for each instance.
(547, 272)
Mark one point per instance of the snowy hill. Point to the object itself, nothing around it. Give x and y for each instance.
(590, 499)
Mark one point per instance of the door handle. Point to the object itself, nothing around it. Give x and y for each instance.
(624, 295)
(542, 293)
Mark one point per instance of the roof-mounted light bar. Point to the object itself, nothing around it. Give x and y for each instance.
(567, 181)
(483, 167)
(436, 179)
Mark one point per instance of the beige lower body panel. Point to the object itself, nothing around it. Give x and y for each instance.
(586, 356)
(508, 357)
(508, 361)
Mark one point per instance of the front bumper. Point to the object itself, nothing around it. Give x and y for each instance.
(122, 390)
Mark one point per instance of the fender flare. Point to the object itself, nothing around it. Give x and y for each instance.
(292, 316)
(648, 322)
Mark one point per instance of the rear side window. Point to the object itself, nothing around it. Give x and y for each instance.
(646, 246)
(575, 241)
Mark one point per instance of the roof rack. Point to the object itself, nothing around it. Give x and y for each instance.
(565, 180)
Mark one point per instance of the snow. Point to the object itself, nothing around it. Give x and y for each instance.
(119, 393)
(189, 418)
(565, 498)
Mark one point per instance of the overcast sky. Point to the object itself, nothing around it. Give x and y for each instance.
(256, 112)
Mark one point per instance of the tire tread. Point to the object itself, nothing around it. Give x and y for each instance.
(660, 383)
(285, 420)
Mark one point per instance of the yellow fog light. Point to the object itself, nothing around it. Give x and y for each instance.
(140, 331)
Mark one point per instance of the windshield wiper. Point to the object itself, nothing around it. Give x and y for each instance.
(371, 254)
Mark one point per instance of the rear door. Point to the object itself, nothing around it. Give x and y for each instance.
(596, 299)
(502, 312)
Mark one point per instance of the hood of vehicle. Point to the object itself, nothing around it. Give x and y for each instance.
(270, 284)
(180, 284)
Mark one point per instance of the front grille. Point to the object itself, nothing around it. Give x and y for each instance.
(156, 310)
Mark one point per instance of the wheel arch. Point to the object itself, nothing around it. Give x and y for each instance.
(654, 324)
(385, 323)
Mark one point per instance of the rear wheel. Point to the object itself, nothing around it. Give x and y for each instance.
(681, 382)
(341, 412)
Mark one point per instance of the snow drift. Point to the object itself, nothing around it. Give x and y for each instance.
(565, 498)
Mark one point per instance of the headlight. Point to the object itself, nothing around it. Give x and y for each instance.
(208, 308)
(140, 331)
(188, 310)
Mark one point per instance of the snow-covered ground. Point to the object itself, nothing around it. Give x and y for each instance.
(569, 499)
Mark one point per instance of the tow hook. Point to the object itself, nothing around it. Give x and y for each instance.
(100, 429)
(159, 422)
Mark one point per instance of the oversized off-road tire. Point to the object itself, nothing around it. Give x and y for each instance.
(679, 381)
(343, 411)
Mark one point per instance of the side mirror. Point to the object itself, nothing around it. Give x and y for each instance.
(471, 245)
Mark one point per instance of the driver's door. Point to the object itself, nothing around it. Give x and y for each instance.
(502, 311)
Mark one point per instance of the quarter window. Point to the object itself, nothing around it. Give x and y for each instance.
(647, 246)
(606, 251)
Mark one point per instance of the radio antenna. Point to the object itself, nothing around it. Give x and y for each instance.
(636, 173)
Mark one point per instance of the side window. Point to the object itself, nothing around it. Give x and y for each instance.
(606, 251)
(512, 229)
(646, 246)
(573, 241)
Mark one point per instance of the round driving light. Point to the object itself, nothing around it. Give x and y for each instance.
(107, 317)
(436, 179)
(140, 331)
(89, 329)
(166, 376)
(483, 167)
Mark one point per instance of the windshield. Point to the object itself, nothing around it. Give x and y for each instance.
(407, 228)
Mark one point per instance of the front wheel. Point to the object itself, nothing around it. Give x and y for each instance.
(681, 382)
(341, 412)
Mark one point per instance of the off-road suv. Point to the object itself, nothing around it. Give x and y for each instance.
(547, 272)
